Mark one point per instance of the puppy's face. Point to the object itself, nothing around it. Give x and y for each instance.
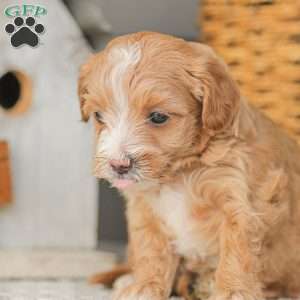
(152, 97)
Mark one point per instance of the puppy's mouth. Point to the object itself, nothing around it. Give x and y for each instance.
(122, 183)
(124, 176)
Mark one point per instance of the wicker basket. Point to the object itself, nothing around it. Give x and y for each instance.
(260, 40)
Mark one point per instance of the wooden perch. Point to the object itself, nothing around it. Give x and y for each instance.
(5, 176)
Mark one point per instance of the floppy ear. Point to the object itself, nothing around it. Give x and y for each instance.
(213, 86)
(84, 74)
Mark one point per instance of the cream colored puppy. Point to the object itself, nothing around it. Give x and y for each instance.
(206, 177)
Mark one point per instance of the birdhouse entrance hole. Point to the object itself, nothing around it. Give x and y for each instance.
(15, 92)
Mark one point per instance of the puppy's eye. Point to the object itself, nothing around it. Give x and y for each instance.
(98, 117)
(158, 118)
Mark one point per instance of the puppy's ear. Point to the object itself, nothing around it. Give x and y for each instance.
(213, 86)
(84, 73)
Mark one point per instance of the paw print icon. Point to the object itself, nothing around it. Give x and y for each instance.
(24, 32)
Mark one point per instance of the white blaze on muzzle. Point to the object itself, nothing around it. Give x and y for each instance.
(119, 131)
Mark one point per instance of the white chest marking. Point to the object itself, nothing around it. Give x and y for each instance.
(172, 207)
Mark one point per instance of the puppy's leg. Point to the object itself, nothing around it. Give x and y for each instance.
(236, 275)
(153, 262)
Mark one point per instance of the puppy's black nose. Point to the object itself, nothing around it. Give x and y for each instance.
(121, 166)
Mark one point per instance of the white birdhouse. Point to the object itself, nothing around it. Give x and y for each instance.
(54, 194)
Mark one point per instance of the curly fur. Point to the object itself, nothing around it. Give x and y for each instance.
(217, 185)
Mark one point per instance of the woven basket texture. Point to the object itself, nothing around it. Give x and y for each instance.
(260, 41)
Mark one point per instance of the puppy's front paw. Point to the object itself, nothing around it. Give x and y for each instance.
(138, 291)
(123, 281)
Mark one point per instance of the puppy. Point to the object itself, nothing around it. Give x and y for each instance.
(206, 177)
